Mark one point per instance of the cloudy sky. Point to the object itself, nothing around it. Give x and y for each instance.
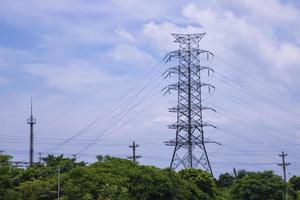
(94, 70)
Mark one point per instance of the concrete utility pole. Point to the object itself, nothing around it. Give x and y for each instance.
(58, 183)
(40, 157)
(31, 121)
(234, 173)
(284, 165)
(134, 157)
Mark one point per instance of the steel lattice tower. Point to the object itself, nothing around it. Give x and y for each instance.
(189, 144)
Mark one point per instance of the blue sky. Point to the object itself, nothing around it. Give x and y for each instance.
(75, 58)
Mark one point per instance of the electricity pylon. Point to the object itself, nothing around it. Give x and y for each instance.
(189, 143)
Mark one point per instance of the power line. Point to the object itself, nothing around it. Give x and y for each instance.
(254, 142)
(119, 118)
(267, 86)
(257, 109)
(247, 124)
(255, 94)
(98, 138)
(76, 141)
(263, 124)
(116, 105)
(238, 100)
(272, 135)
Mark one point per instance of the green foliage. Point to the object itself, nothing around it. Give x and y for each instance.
(203, 180)
(224, 194)
(37, 190)
(292, 194)
(297, 195)
(90, 183)
(5, 174)
(258, 186)
(9, 177)
(225, 180)
(294, 183)
(241, 173)
(113, 178)
(65, 164)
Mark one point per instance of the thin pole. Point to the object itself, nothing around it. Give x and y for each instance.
(58, 182)
(40, 157)
(134, 157)
(284, 165)
(133, 151)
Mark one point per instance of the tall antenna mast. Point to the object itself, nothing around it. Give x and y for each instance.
(189, 144)
(31, 121)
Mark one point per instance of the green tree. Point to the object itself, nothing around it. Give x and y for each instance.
(203, 180)
(225, 180)
(241, 173)
(114, 178)
(88, 183)
(5, 174)
(65, 164)
(9, 178)
(294, 182)
(38, 190)
(145, 182)
(258, 186)
(223, 193)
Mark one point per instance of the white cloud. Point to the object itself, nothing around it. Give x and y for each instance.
(260, 51)
(75, 77)
(68, 29)
(280, 15)
(271, 11)
(86, 33)
(131, 55)
(164, 120)
(125, 35)
(141, 9)
(47, 12)
(288, 56)
(160, 34)
(247, 39)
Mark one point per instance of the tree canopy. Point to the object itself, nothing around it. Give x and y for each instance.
(111, 178)
(258, 186)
